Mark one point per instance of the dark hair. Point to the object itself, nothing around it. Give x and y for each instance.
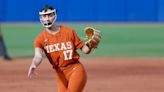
(46, 8)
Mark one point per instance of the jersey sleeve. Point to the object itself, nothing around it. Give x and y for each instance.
(77, 41)
(37, 43)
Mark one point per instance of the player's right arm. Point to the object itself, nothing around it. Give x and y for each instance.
(36, 61)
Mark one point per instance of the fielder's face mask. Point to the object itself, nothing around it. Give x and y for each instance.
(48, 17)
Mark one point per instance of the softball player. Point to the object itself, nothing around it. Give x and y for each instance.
(59, 43)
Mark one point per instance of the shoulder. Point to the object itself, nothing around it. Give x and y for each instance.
(40, 36)
(66, 28)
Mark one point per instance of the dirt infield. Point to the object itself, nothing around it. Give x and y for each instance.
(104, 75)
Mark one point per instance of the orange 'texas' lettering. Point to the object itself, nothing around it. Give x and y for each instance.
(58, 46)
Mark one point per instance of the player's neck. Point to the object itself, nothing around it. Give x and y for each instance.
(54, 29)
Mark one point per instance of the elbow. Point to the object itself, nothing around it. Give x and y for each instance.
(37, 60)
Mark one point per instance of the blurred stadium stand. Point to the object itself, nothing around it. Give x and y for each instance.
(85, 10)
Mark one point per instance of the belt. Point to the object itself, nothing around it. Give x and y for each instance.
(61, 68)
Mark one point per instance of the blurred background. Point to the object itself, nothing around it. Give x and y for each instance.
(132, 28)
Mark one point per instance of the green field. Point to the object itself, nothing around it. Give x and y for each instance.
(143, 40)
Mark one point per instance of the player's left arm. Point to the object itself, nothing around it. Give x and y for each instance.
(79, 44)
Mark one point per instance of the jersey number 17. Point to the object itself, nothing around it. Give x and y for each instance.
(67, 54)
